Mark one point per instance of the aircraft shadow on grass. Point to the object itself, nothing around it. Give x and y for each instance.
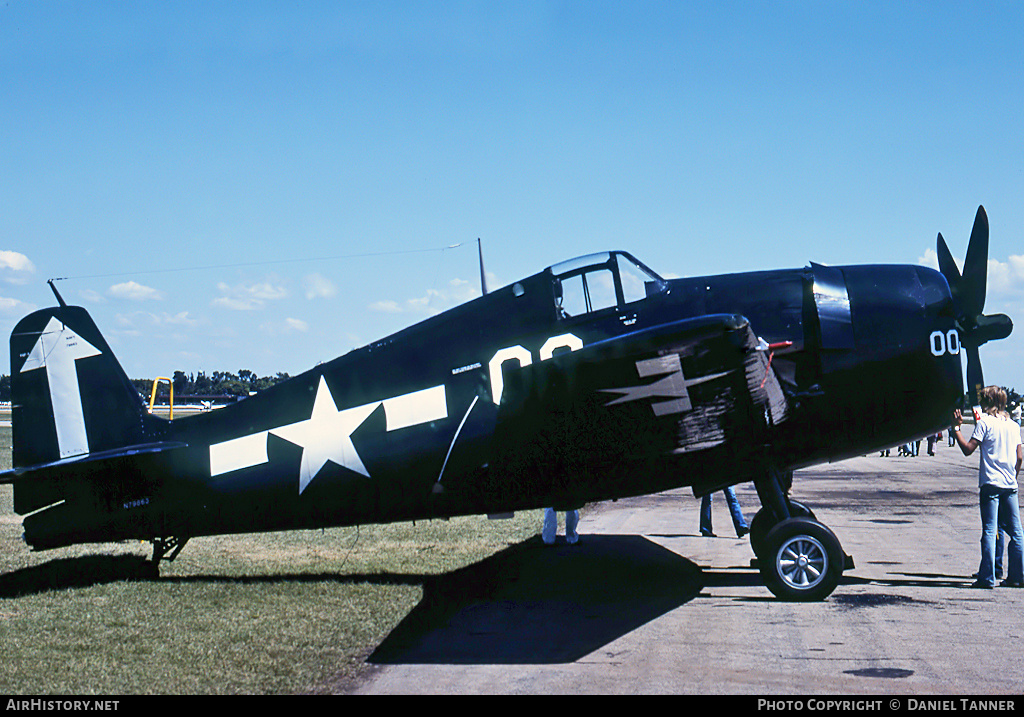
(86, 571)
(78, 572)
(537, 604)
(528, 604)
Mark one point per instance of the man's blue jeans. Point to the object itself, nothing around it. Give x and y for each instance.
(1000, 510)
(735, 511)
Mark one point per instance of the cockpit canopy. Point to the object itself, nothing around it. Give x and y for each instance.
(601, 281)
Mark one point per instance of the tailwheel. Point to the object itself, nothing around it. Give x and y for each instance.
(803, 560)
(167, 549)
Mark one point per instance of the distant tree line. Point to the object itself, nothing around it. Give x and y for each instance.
(219, 383)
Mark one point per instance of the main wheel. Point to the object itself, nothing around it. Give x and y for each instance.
(764, 520)
(803, 560)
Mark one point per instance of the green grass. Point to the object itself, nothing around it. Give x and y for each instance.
(263, 613)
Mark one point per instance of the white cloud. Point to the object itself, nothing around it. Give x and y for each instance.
(458, 291)
(16, 261)
(318, 287)
(15, 306)
(180, 319)
(1006, 277)
(386, 307)
(151, 321)
(247, 297)
(289, 325)
(16, 268)
(930, 258)
(134, 291)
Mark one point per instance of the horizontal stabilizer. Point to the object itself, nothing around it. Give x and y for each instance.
(42, 485)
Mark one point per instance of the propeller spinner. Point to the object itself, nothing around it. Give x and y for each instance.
(968, 292)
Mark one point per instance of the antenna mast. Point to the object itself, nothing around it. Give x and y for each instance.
(483, 279)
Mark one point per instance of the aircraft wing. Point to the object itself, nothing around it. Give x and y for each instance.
(689, 402)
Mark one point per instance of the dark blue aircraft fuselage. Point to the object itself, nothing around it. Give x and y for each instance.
(866, 357)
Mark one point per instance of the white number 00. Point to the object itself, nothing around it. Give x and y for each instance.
(518, 353)
(942, 343)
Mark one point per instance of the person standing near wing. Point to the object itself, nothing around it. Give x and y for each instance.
(735, 511)
(1001, 457)
(550, 526)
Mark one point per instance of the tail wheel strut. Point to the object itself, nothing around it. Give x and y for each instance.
(167, 548)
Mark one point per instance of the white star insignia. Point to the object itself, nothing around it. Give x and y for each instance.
(326, 435)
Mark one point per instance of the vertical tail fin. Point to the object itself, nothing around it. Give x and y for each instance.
(85, 447)
(69, 395)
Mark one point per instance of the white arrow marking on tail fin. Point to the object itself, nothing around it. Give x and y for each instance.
(57, 350)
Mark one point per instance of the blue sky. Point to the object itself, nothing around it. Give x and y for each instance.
(263, 186)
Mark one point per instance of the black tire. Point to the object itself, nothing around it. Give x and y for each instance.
(803, 561)
(764, 520)
(799, 510)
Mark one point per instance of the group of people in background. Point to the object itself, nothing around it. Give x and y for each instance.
(913, 448)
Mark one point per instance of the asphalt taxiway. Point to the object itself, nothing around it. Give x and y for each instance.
(644, 605)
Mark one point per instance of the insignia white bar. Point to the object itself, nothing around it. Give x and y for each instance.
(430, 404)
(238, 453)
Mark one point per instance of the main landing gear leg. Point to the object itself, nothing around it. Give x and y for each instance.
(799, 558)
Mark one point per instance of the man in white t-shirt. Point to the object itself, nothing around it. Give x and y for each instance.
(1001, 456)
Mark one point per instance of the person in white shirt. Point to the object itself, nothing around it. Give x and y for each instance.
(1001, 456)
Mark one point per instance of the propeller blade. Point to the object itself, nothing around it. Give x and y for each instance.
(947, 265)
(991, 327)
(975, 380)
(973, 281)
